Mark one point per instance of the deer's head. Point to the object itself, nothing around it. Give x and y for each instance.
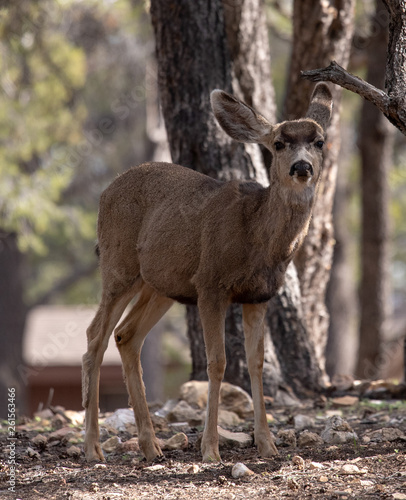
(296, 145)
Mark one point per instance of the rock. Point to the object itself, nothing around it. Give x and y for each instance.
(58, 421)
(283, 398)
(120, 419)
(332, 448)
(316, 466)
(342, 382)
(307, 438)
(240, 470)
(132, 445)
(338, 431)
(74, 452)
(228, 418)
(302, 422)
(76, 417)
(399, 496)
(176, 442)
(235, 399)
(195, 393)
(76, 438)
(180, 427)
(386, 434)
(323, 479)
(229, 439)
(183, 412)
(333, 413)
(100, 466)
(39, 441)
(351, 469)
(366, 483)
(166, 408)
(46, 414)
(298, 461)
(32, 453)
(154, 468)
(270, 418)
(111, 444)
(193, 469)
(345, 401)
(286, 437)
(232, 397)
(63, 434)
(160, 423)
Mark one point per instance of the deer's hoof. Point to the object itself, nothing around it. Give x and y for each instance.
(151, 450)
(211, 455)
(94, 453)
(267, 450)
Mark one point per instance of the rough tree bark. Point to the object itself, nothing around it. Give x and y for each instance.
(201, 46)
(321, 31)
(376, 144)
(12, 320)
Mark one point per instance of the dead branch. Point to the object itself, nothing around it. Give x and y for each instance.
(334, 73)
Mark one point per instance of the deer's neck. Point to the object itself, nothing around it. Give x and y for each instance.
(288, 213)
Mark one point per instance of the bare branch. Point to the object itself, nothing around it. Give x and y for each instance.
(336, 74)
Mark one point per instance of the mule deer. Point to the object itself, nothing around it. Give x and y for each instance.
(168, 233)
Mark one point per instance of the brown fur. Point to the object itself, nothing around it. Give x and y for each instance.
(169, 233)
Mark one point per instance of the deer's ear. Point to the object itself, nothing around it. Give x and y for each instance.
(321, 105)
(237, 119)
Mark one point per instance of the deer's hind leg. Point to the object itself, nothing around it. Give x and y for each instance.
(129, 337)
(113, 303)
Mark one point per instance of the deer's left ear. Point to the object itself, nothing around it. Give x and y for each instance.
(321, 105)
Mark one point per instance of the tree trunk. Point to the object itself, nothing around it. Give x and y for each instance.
(341, 296)
(200, 47)
(12, 322)
(375, 142)
(193, 59)
(321, 31)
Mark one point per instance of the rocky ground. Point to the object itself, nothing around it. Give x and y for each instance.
(349, 444)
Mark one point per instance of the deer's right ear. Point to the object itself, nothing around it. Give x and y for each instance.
(237, 119)
(321, 105)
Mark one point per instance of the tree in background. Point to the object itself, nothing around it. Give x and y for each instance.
(193, 58)
(376, 146)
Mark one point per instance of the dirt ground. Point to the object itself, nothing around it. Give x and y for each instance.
(371, 469)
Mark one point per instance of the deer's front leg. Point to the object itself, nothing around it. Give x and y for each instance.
(212, 314)
(253, 321)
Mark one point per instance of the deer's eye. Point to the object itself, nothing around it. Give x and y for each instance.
(319, 144)
(279, 145)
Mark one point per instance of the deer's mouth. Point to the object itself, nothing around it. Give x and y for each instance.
(301, 171)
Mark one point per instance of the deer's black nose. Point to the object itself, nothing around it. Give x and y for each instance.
(301, 169)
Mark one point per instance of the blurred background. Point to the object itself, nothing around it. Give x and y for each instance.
(80, 105)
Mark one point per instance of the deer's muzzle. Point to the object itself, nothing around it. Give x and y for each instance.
(301, 169)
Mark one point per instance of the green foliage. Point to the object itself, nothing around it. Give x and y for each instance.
(41, 73)
(64, 72)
